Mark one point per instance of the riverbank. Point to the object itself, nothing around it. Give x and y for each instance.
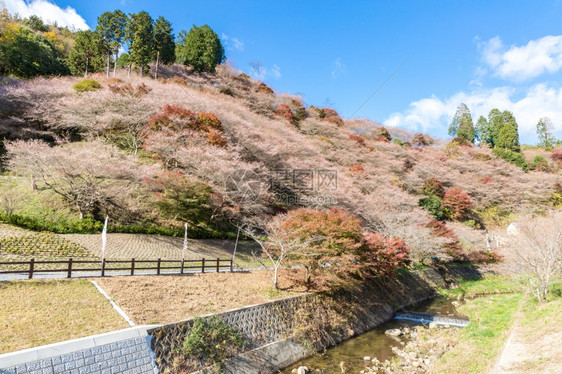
(510, 332)
(308, 323)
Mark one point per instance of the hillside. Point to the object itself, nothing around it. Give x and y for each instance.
(221, 150)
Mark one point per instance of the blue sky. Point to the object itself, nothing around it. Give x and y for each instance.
(505, 54)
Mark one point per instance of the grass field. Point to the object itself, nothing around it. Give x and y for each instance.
(34, 313)
(496, 306)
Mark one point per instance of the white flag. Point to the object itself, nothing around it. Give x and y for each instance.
(184, 243)
(104, 238)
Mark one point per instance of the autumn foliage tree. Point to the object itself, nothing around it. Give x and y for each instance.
(384, 255)
(339, 250)
(457, 202)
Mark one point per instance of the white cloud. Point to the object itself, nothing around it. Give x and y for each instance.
(338, 68)
(48, 12)
(232, 43)
(276, 71)
(520, 63)
(434, 113)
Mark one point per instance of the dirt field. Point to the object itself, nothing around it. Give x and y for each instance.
(165, 299)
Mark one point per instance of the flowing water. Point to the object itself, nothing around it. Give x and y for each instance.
(374, 343)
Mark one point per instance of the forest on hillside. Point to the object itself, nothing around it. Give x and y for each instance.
(168, 134)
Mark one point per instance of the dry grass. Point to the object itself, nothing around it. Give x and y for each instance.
(34, 313)
(165, 299)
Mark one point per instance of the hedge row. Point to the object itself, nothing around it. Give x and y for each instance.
(90, 226)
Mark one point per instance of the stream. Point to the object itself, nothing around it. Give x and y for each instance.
(374, 343)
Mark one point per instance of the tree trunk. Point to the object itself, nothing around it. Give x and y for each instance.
(275, 277)
(115, 64)
(108, 59)
(157, 61)
(87, 63)
(129, 71)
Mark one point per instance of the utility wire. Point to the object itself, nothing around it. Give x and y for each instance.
(381, 86)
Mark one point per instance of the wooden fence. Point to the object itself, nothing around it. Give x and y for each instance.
(72, 266)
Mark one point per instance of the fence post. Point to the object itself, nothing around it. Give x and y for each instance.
(69, 275)
(103, 267)
(181, 271)
(231, 265)
(133, 266)
(218, 266)
(31, 266)
(158, 268)
(203, 265)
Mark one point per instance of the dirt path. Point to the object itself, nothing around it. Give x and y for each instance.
(530, 351)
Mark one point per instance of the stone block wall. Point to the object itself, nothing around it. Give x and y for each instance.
(130, 356)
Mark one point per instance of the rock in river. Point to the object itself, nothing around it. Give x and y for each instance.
(393, 332)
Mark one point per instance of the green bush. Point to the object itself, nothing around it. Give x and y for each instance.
(398, 141)
(90, 226)
(539, 163)
(510, 156)
(86, 85)
(211, 339)
(435, 207)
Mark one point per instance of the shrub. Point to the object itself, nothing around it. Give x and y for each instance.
(328, 115)
(176, 80)
(556, 155)
(211, 340)
(457, 202)
(384, 135)
(486, 179)
(434, 205)
(175, 119)
(264, 88)
(512, 157)
(539, 164)
(86, 85)
(114, 81)
(357, 169)
(210, 121)
(556, 196)
(284, 111)
(433, 186)
(421, 140)
(461, 142)
(453, 246)
(299, 109)
(358, 139)
(128, 90)
(215, 138)
(398, 141)
(483, 257)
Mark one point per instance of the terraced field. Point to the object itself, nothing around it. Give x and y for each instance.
(20, 245)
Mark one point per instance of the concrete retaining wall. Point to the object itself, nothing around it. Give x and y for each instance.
(267, 327)
(124, 351)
